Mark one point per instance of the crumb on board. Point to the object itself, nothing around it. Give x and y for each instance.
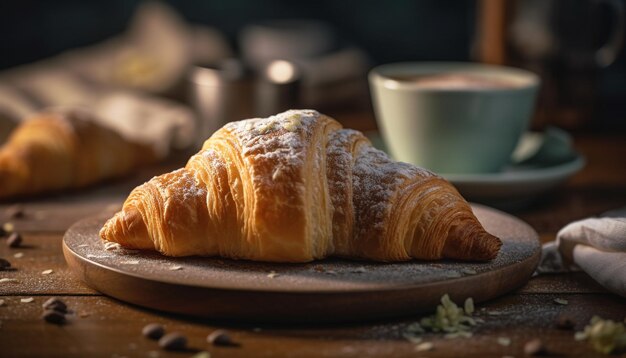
(561, 301)
(112, 246)
(130, 262)
(9, 280)
(425, 346)
(504, 341)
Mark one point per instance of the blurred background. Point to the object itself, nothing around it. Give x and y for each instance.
(327, 47)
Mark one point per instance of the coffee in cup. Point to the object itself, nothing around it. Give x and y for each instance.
(452, 117)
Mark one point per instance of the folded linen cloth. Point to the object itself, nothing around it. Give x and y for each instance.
(120, 80)
(151, 120)
(154, 121)
(594, 245)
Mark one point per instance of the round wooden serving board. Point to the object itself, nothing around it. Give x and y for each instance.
(321, 291)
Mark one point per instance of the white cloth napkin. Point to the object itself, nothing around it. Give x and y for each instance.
(594, 245)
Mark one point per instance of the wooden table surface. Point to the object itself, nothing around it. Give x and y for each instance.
(105, 327)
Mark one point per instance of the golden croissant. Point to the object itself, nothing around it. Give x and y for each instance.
(297, 187)
(63, 150)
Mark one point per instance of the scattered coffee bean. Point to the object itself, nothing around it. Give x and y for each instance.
(53, 316)
(565, 322)
(220, 337)
(4, 264)
(3, 232)
(173, 342)
(55, 304)
(153, 331)
(534, 347)
(15, 212)
(14, 240)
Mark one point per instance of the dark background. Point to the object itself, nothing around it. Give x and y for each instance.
(387, 30)
(399, 30)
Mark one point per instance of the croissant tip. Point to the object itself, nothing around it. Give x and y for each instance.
(478, 247)
(128, 229)
(106, 230)
(486, 247)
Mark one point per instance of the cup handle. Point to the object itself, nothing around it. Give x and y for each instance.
(609, 51)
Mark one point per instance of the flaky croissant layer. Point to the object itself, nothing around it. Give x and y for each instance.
(296, 187)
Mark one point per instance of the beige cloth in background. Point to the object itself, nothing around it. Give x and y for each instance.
(151, 120)
(594, 245)
(121, 80)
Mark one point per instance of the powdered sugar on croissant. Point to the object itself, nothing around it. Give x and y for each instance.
(296, 187)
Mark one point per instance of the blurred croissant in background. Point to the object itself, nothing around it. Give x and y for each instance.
(63, 150)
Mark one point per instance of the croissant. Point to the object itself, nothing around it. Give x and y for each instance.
(64, 150)
(297, 187)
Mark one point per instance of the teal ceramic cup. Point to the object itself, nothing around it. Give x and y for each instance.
(452, 129)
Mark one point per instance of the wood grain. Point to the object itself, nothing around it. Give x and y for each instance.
(492, 31)
(112, 327)
(220, 288)
(576, 282)
(56, 212)
(118, 328)
(39, 253)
